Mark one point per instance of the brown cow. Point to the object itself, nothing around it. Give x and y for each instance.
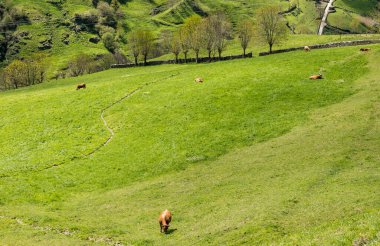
(164, 220)
(80, 86)
(365, 49)
(199, 80)
(319, 76)
(306, 48)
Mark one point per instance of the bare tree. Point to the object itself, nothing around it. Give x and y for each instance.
(245, 31)
(271, 27)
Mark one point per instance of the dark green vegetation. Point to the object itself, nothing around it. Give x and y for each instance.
(258, 154)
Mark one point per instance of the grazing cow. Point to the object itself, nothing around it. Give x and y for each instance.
(365, 49)
(164, 220)
(319, 76)
(306, 48)
(80, 86)
(199, 80)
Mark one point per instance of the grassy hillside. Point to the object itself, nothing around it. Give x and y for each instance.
(258, 154)
(56, 29)
(354, 16)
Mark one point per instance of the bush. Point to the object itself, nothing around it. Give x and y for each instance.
(109, 41)
(80, 65)
(107, 13)
(24, 73)
(87, 20)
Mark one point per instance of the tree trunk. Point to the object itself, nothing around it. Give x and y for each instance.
(209, 55)
(176, 58)
(136, 61)
(244, 52)
(196, 56)
(145, 63)
(220, 54)
(185, 56)
(270, 48)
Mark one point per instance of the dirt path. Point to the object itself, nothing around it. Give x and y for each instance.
(324, 18)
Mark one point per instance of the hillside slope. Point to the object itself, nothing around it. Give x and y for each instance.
(257, 154)
(61, 29)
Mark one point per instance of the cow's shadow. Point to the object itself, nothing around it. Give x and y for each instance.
(170, 231)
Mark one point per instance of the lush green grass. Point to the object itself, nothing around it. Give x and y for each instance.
(257, 154)
(347, 21)
(363, 7)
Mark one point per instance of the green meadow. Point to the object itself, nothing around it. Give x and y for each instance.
(258, 154)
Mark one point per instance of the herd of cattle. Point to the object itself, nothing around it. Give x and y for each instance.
(200, 80)
(166, 216)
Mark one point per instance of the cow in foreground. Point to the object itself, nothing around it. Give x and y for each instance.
(81, 86)
(317, 76)
(306, 48)
(164, 220)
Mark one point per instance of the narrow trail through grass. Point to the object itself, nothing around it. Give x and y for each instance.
(119, 101)
(105, 124)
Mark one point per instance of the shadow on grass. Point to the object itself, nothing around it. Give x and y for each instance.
(170, 231)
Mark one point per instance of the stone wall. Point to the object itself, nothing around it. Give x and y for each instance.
(182, 61)
(324, 46)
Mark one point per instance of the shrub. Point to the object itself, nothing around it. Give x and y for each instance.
(80, 65)
(87, 20)
(109, 41)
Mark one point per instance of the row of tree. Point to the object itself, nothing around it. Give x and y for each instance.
(23, 73)
(211, 34)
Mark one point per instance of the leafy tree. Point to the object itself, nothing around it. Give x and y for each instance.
(133, 41)
(223, 30)
(271, 27)
(245, 31)
(185, 42)
(175, 46)
(36, 69)
(80, 65)
(192, 30)
(146, 41)
(16, 74)
(209, 36)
